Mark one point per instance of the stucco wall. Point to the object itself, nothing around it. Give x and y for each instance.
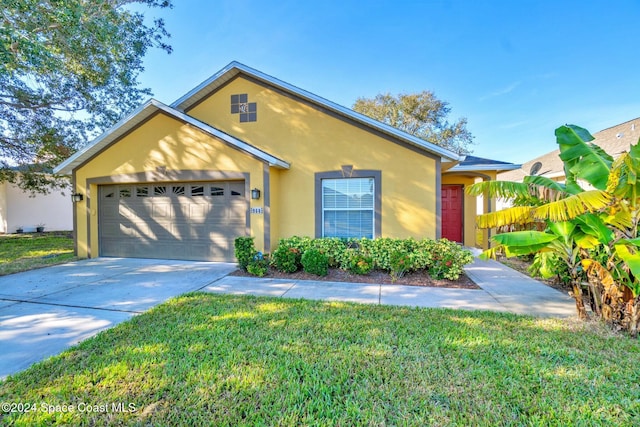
(179, 150)
(316, 141)
(17, 209)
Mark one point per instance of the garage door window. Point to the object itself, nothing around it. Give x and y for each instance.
(142, 191)
(197, 190)
(237, 189)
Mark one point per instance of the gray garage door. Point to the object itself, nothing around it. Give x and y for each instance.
(193, 221)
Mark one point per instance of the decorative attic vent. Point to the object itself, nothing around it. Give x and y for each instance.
(248, 111)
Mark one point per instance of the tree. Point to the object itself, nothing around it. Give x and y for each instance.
(68, 71)
(591, 233)
(420, 114)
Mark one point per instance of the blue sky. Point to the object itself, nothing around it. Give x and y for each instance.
(515, 69)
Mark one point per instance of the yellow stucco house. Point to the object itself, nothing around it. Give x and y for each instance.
(244, 153)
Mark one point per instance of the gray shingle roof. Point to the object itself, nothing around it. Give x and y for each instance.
(479, 163)
(614, 140)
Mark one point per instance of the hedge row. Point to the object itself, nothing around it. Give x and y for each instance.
(441, 258)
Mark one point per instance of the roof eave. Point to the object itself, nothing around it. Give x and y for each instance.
(481, 167)
(141, 114)
(256, 152)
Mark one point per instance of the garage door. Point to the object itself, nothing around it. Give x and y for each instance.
(192, 221)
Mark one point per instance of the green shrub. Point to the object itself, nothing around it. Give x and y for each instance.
(300, 243)
(421, 254)
(442, 258)
(244, 251)
(287, 259)
(400, 263)
(356, 262)
(448, 260)
(332, 247)
(259, 265)
(380, 250)
(315, 262)
(288, 256)
(257, 268)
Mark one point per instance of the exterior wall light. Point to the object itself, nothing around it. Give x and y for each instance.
(76, 197)
(255, 194)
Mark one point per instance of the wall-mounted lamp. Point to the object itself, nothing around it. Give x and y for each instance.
(76, 197)
(255, 194)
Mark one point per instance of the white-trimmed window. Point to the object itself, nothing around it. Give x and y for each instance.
(348, 207)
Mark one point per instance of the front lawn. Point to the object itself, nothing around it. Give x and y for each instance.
(21, 252)
(204, 359)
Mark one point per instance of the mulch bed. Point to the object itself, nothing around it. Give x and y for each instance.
(418, 278)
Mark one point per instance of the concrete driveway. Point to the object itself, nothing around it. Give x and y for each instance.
(43, 312)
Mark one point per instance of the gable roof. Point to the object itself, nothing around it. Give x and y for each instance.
(614, 140)
(144, 112)
(229, 72)
(474, 163)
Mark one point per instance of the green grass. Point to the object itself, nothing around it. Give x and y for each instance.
(204, 359)
(22, 252)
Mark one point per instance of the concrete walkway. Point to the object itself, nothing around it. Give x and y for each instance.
(503, 289)
(45, 311)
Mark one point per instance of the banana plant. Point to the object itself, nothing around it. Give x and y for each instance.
(591, 223)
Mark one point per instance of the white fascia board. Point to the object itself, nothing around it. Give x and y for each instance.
(489, 167)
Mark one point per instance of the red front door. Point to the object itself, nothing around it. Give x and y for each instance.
(452, 212)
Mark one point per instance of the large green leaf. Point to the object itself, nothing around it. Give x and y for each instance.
(499, 189)
(582, 160)
(563, 229)
(625, 172)
(544, 182)
(619, 216)
(523, 242)
(594, 225)
(632, 260)
(634, 242)
(573, 206)
(514, 215)
(545, 264)
(586, 241)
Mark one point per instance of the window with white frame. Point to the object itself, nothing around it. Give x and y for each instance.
(348, 207)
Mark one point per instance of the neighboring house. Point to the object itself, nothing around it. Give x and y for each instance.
(20, 209)
(244, 153)
(614, 140)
